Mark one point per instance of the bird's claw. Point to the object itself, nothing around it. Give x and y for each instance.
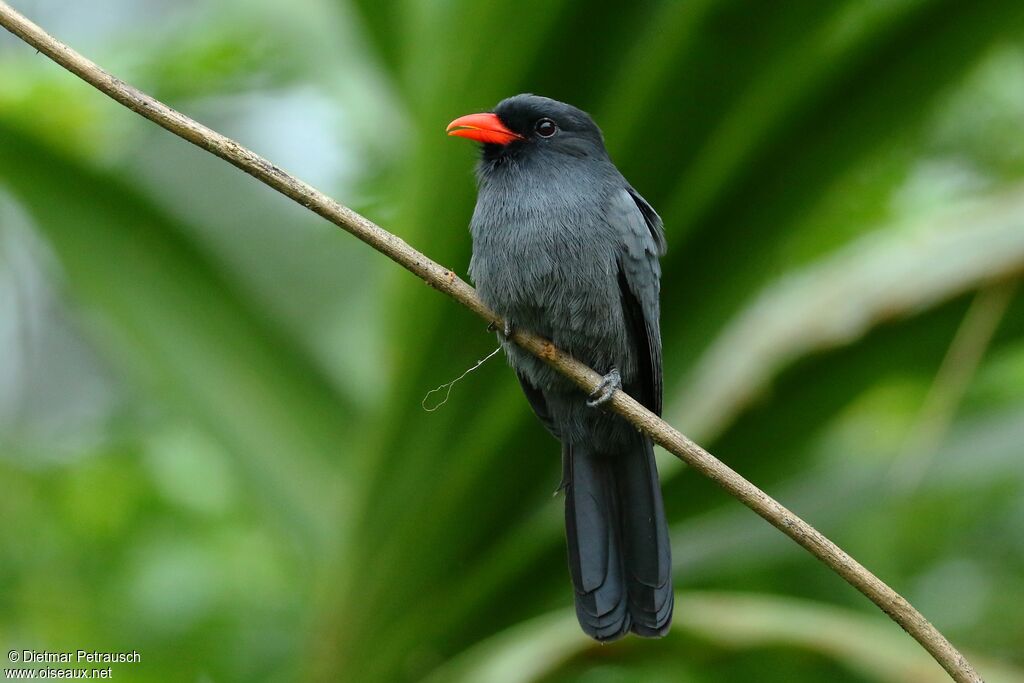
(610, 383)
(506, 329)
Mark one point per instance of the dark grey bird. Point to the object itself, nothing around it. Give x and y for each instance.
(564, 246)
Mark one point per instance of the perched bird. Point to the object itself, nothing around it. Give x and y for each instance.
(564, 246)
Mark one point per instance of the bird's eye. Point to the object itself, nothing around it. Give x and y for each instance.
(546, 128)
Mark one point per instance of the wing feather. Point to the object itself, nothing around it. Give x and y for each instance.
(640, 287)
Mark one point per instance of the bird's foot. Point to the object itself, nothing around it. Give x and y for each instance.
(610, 383)
(507, 328)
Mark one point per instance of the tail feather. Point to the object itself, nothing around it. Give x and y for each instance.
(594, 557)
(617, 537)
(647, 551)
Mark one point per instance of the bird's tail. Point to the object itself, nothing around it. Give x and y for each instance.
(619, 553)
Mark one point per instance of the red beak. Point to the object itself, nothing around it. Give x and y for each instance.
(482, 128)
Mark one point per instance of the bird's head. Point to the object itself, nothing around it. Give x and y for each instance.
(530, 126)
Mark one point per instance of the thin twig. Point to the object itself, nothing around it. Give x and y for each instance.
(443, 279)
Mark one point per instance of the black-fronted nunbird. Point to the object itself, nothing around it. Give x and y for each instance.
(564, 246)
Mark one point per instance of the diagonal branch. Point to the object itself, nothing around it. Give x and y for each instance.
(443, 279)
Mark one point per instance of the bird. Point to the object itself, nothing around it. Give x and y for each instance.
(565, 247)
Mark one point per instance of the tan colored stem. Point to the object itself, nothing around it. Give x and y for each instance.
(443, 279)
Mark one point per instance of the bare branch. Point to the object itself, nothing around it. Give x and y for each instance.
(443, 279)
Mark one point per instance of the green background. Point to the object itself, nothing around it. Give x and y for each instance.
(212, 448)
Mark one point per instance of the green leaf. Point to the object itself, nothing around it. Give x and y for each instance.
(170, 320)
(869, 645)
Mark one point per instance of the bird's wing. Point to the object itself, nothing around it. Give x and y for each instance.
(538, 403)
(639, 284)
(651, 219)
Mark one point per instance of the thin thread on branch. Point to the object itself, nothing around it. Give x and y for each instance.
(444, 280)
(448, 385)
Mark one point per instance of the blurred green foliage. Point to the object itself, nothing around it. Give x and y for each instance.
(212, 448)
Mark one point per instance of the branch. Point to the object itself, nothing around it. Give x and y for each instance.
(444, 280)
